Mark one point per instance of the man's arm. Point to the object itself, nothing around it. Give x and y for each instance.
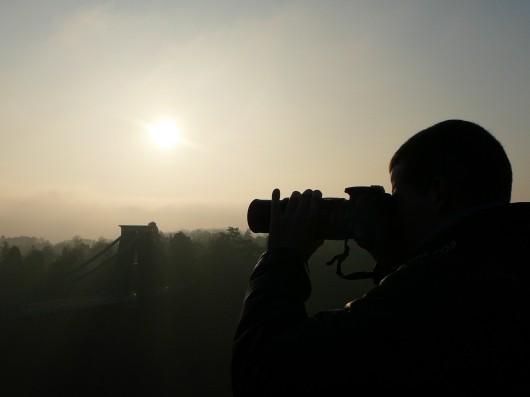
(279, 350)
(273, 308)
(275, 302)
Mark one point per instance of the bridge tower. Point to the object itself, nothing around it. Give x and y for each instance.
(138, 262)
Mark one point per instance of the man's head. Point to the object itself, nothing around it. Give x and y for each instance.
(443, 170)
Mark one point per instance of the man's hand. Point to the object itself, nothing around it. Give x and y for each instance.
(295, 227)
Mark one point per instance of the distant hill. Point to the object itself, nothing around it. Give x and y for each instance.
(25, 243)
(204, 236)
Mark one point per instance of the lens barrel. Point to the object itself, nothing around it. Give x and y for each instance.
(338, 218)
(331, 217)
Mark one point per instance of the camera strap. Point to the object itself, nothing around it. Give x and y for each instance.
(340, 258)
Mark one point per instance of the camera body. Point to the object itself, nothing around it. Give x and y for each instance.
(364, 217)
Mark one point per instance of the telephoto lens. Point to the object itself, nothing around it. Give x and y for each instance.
(337, 217)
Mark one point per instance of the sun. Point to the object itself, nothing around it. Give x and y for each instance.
(164, 134)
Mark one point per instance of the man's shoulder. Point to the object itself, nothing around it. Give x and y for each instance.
(427, 280)
(480, 251)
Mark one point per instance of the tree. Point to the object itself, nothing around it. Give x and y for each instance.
(181, 259)
(3, 251)
(33, 272)
(10, 273)
(12, 260)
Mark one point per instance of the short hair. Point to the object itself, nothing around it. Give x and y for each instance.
(463, 153)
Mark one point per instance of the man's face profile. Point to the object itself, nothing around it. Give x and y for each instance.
(417, 212)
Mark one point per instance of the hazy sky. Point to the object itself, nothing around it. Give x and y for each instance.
(288, 94)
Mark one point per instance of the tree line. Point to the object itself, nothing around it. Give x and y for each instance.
(39, 271)
(182, 342)
(211, 261)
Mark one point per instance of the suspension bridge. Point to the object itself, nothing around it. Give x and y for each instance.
(122, 331)
(129, 272)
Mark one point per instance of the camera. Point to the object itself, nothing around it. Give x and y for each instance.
(363, 217)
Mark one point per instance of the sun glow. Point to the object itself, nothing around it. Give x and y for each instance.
(164, 133)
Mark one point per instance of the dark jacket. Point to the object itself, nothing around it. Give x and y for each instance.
(452, 320)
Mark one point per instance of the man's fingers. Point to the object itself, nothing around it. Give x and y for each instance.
(303, 207)
(314, 205)
(275, 211)
(292, 205)
(275, 205)
(295, 224)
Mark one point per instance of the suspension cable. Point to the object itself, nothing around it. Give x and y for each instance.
(74, 278)
(94, 257)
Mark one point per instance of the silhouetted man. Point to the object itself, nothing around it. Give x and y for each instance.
(449, 317)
